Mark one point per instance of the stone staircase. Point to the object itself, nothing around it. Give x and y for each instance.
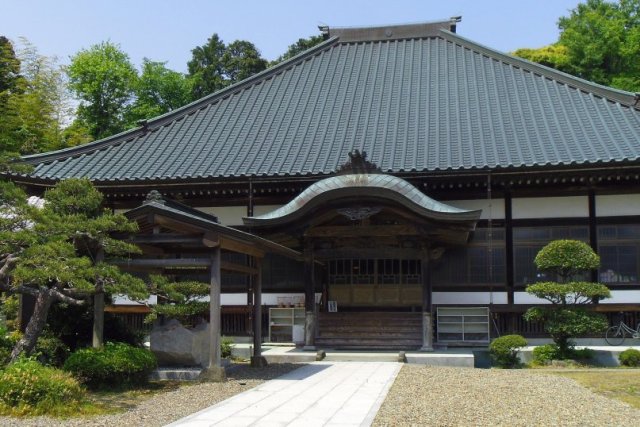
(369, 331)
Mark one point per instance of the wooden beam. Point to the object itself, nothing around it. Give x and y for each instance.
(240, 247)
(170, 238)
(163, 262)
(362, 231)
(238, 268)
(124, 309)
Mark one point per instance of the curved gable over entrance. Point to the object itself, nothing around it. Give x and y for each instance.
(354, 187)
(361, 201)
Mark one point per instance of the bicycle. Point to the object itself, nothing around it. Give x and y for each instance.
(616, 334)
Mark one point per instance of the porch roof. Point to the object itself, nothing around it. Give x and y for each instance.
(352, 188)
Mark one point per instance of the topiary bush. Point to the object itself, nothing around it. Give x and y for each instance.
(504, 350)
(27, 387)
(630, 357)
(544, 354)
(115, 365)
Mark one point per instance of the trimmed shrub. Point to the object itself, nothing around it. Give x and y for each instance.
(115, 365)
(544, 354)
(582, 354)
(630, 357)
(504, 350)
(28, 387)
(226, 346)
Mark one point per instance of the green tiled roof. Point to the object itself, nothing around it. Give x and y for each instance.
(416, 98)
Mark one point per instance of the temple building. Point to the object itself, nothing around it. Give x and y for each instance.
(394, 184)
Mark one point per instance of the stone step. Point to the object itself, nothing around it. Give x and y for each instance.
(368, 343)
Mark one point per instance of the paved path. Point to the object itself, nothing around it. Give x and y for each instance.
(319, 394)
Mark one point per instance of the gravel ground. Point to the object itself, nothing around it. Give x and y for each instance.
(164, 408)
(439, 396)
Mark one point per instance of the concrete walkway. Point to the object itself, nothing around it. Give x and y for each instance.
(319, 394)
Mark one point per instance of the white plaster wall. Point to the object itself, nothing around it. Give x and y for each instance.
(227, 215)
(550, 207)
(267, 298)
(469, 297)
(496, 210)
(617, 297)
(618, 205)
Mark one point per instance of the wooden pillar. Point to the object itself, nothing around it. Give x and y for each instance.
(593, 230)
(427, 318)
(214, 371)
(309, 304)
(98, 320)
(508, 243)
(257, 359)
(98, 311)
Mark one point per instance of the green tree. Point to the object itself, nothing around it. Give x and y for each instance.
(103, 79)
(566, 317)
(554, 56)
(298, 47)
(43, 104)
(158, 91)
(178, 300)
(9, 88)
(214, 65)
(603, 42)
(56, 253)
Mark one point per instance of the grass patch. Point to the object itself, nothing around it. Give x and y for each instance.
(103, 402)
(620, 384)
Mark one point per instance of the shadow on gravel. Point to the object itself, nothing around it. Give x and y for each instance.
(481, 359)
(244, 372)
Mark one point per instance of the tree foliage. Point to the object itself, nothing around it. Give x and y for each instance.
(599, 41)
(158, 90)
(566, 258)
(57, 253)
(298, 47)
(215, 65)
(554, 56)
(34, 101)
(566, 316)
(178, 300)
(103, 79)
(603, 42)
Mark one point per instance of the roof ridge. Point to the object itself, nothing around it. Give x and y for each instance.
(391, 32)
(151, 124)
(628, 99)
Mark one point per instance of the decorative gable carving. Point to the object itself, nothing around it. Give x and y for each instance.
(358, 164)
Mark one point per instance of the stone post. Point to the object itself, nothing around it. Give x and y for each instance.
(427, 332)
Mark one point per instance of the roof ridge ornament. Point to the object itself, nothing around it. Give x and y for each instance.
(358, 164)
(154, 196)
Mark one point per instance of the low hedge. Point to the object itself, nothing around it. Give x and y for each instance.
(630, 357)
(115, 365)
(27, 387)
(504, 350)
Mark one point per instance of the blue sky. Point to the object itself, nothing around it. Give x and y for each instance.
(165, 30)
